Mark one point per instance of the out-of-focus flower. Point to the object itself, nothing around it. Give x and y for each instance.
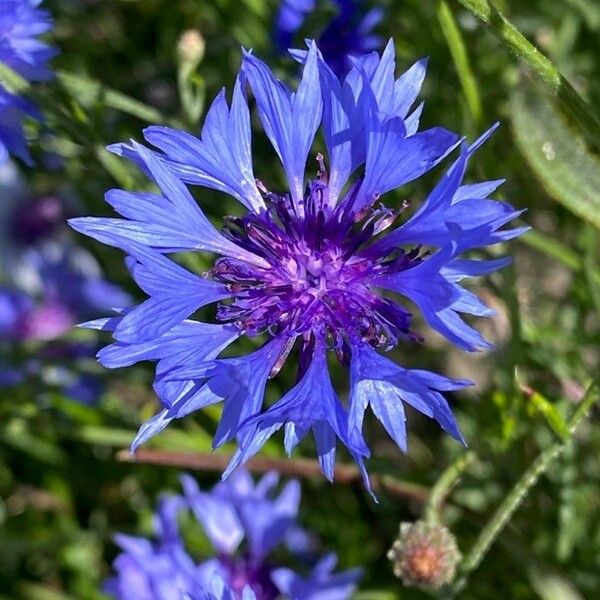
(21, 24)
(289, 20)
(348, 35)
(219, 590)
(36, 219)
(60, 286)
(424, 555)
(245, 523)
(304, 267)
(48, 285)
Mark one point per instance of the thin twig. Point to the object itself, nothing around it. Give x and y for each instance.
(300, 467)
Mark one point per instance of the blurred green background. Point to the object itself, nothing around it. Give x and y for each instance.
(63, 493)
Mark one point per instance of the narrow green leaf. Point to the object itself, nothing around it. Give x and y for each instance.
(559, 158)
(16, 435)
(542, 66)
(555, 420)
(89, 92)
(122, 171)
(12, 80)
(458, 51)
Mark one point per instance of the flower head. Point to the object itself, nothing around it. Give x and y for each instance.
(245, 522)
(21, 22)
(424, 555)
(319, 269)
(348, 35)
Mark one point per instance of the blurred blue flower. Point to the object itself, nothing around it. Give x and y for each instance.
(304, 267)
(349, 34)
(289, 19)
(21, 23)
(49, 286)
(245, 523)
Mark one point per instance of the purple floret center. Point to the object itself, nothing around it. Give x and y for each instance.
(243, 573)
(320, 276)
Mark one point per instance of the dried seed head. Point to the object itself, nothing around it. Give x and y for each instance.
(424, 555)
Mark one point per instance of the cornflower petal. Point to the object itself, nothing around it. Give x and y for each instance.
(220, 159)
(290, 119)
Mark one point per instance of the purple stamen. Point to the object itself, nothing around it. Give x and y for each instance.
(320, 278)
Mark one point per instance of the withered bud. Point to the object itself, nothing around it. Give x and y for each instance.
(424, 555)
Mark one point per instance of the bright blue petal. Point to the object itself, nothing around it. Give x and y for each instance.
(394, 159)
(311, 404)
(171, 222)
(290, 120)
(378, 382)
(221, 159)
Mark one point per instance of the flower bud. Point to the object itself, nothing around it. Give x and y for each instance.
(191, 46)
(424, 555)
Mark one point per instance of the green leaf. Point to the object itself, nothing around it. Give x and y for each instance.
(575, 106)
(555, 420)
(551, 586)
(12, 80)
(90, 92)
(374, 595)
(458, 51)
(558, 157)
(15, 434)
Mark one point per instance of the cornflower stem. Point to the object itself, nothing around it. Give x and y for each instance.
(448, 479)
(299, 467)
(540, 64)
(515, 497)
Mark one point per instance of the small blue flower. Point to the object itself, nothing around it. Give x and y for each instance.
(21, 22)
(318, 270)
(245, 523)
(348, 35)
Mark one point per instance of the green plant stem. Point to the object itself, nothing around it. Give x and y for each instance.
(515, 497)
(542, 66)
(460, 57)
(444, 484)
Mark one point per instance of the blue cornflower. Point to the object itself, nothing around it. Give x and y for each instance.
(245, 522)
(305, 268)
(348, 35)
(21, 22)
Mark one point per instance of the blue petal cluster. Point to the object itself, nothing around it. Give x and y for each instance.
(245, 522)
(21, 22)
(318, 270)
(349, 34)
